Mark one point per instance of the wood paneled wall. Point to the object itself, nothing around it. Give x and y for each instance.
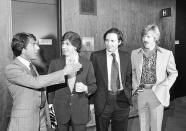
(131, 16)
(5, 57)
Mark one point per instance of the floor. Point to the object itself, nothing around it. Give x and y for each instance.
(174, 118)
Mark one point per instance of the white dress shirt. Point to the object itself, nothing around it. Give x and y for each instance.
(109, 66)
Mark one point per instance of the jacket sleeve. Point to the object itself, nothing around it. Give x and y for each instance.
(128, 82)
(19, 76)
(172, 73)
(91, 80)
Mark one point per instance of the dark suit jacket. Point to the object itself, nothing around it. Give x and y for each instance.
(99, 61)
(72, 105)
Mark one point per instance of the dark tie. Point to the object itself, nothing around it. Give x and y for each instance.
(43, 96)
(115, 83)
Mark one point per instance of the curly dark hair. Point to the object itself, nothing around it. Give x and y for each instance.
(20, 41)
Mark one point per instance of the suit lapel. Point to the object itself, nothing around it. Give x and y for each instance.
(26, 68)
(78, 75)
(139, 60)
(122, 59)
(16, 61)
(103, 65)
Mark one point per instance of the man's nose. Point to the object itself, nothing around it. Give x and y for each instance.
(109, 42)
(145, 38)
(37, 47)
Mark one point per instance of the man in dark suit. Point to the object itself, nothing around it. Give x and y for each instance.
(113, 77)
(27, 87)
(71, 99)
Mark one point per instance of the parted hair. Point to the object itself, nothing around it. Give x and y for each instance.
(20, 41)
(154, 28)
(116, 31)
(74, 39)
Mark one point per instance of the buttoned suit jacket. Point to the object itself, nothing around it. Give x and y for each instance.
(26, 94)
(166, 73)
(99, 61)
(67, 105)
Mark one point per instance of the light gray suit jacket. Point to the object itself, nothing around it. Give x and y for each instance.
(166, 73)
(26, 94)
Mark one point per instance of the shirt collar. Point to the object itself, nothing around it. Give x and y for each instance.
(109, 53)
(157, 48)
(24, 61)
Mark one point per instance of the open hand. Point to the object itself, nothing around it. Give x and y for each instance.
(72, 68)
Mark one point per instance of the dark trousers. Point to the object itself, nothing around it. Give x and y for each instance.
(115, 112)
(75, 127)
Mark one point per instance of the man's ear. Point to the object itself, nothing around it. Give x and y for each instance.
(75, 48)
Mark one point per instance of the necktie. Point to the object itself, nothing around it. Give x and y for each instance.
(32, 70)
(43, 96)
(115, 83)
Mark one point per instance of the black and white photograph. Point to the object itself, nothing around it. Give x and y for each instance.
(92, 65)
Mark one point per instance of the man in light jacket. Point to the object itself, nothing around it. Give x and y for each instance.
(153, 74)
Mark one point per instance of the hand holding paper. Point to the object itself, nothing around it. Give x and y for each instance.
(80, 87)
(52, 116)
